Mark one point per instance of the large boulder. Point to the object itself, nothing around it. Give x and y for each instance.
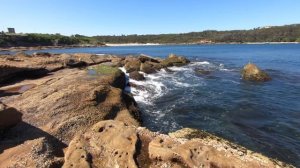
(174, 60)
(147, 68)
(251, 72)
(136, 76)
(200, 71)
(133, 65)
(144, 58)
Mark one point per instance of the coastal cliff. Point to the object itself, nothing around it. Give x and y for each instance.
(71, 110)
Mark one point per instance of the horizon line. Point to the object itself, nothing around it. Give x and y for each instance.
(266, 26)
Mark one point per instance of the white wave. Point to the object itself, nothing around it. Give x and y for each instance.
(201, 63)
(148, 90)
(178, 68)
(123, 69)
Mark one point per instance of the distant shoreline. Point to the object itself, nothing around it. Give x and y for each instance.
(20, 49)
(155, 44)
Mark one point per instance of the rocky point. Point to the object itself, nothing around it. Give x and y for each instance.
(70, 110)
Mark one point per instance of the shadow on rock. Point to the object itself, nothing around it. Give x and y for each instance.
(23, 132)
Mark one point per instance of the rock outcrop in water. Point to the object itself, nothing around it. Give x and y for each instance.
(174, 60)
(251, 72)
(136, 76)
(75, 117)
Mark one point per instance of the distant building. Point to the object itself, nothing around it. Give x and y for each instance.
(11, 30)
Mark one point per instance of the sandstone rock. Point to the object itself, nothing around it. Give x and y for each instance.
(147, 68)
(9, 117)
(115, 144)
(174, 60)
(251, 72)
(42, 54)
(133, 65)
(32, 153)
(136, 76)
(22, 66)
(144, 58)
(70, 100)
(107, 144)
(21, 54)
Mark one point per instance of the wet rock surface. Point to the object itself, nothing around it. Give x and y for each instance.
(251, 72)
(136, 76)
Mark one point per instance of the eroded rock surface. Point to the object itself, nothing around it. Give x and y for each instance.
(32, 66)
(56, 107)
(115, 144)
(106, 144)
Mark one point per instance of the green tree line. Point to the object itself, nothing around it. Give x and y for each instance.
(33, 39)
(287, 33)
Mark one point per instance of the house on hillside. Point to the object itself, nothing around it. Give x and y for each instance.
(11, 30)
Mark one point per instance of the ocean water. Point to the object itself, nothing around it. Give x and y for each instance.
(264, 117)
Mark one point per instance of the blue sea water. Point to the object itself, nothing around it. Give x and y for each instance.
(264, 117)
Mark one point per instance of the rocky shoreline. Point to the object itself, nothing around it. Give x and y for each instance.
(20, 49)
(71, 110)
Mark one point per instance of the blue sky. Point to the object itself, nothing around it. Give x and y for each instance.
(116, 17)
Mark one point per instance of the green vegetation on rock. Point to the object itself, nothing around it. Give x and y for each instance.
(104, 70)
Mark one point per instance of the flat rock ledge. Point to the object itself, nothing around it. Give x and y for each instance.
(70, 110)
(115, 144)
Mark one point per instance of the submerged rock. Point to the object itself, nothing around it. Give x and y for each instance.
(200, 71)
(251, 72)
(136, 76)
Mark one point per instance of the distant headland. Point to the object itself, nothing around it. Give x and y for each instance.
(269, 34)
